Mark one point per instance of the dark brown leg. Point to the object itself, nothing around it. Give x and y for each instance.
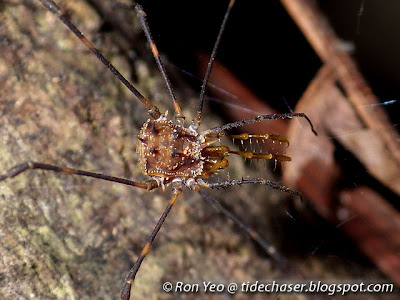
(142, 17)
(268, 248)
(197, 121)
(259, 118)
(30, 165)
(130, 278)
(271, 184)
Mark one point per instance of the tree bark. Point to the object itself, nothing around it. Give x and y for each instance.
(69, 237)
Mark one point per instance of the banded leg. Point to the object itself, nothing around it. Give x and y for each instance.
(251, 155)
(30, 165)
(142, 17)
(130, 278)
(259, 118)
(52, 7)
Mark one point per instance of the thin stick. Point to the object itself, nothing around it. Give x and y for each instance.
(324, 40)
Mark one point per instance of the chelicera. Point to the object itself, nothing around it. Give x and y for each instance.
(171, 153)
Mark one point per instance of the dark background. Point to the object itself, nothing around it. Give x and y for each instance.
(264, 48)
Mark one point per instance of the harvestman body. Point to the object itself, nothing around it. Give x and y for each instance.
(172, 154)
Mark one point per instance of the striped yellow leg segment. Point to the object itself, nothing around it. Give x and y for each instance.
(252, 155)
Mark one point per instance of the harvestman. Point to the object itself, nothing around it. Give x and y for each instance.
(172, 154)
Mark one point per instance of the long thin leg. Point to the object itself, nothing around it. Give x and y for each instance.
(51, 6)
(20, 168)
(130, 278)
(269, 249)
(259, 118)
(271, 184)
(197, 121)
(142, 17)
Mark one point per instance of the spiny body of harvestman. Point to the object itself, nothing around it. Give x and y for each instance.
(172, 154)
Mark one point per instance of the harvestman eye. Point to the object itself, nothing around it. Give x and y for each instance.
(175, 152)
